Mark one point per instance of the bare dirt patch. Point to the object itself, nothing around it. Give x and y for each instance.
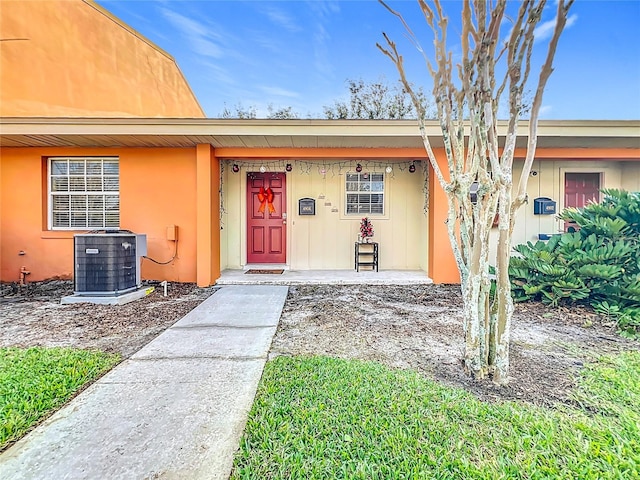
(33, 316)
(416, 327)
(420, 327)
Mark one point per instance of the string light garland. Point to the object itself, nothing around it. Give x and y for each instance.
(425, 188)
(324, 168)
(221, 193)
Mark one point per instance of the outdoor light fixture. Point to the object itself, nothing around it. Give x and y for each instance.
(289, 167)
(412, 168)
(263, 169)
(358, 168)
(235, 168)
(388, 169)
(323, 171)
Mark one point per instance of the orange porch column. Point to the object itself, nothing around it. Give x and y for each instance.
(207, 216)
(442, 264)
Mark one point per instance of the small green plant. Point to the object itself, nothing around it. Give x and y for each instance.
(598, 265)
(627, 318)
(36, 381)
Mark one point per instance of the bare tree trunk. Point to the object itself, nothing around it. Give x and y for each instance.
(473, 102)
(504, 301)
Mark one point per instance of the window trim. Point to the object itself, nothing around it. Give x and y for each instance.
(384, 193)
(51, 194)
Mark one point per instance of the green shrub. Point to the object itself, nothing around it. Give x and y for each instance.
(599, 264)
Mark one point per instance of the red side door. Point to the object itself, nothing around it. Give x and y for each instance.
(580, 189)
(266, 218)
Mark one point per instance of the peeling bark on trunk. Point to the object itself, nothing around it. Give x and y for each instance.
(467, 110)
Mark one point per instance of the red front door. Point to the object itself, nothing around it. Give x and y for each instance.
(266, 218)
(579, 190)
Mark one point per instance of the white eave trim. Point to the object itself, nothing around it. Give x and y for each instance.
(345, 128)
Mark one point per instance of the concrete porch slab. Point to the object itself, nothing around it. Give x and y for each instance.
(326, 277)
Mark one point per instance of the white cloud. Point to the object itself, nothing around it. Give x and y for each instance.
(212, 70)
(202, 38)
(280, 92)
(324, 11)
(282, 19)
(206, 47)
(324, 8)
(545, 29)
(268, 42)
(545, 110)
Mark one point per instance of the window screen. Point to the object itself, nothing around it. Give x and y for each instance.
(84, 193)
(365, 193)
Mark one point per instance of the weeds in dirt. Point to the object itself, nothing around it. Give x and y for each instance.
(319, 417)
(36, 381)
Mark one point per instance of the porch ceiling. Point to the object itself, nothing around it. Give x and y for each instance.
(256, 134)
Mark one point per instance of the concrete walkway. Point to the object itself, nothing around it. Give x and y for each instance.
(174, 410)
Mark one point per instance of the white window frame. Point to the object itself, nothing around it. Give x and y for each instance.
(365, 181)
(78, 193)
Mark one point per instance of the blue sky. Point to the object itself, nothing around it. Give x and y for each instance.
(300, 53)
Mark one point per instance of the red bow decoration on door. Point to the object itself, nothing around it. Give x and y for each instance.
(266, 198)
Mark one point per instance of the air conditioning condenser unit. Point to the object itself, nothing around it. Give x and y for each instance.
(108, 263)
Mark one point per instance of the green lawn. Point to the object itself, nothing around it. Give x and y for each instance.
(324, 418)
(36, 381)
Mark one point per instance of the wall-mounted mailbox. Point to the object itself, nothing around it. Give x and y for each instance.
(306, 206)
(544, 206)
(546, 236)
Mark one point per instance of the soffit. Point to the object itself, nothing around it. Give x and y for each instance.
(256, 134)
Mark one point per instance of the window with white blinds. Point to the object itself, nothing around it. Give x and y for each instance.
(84, 193)
(365, 193)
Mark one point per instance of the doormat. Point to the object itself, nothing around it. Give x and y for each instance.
(264, 272)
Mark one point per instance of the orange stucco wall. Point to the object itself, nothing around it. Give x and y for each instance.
(157, 189)
(442, 264)
(208, 215)
(70, 58)
(174, 186)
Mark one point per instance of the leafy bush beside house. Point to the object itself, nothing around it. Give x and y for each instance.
(599, 264)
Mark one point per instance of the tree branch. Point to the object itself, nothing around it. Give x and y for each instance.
(545, 73)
